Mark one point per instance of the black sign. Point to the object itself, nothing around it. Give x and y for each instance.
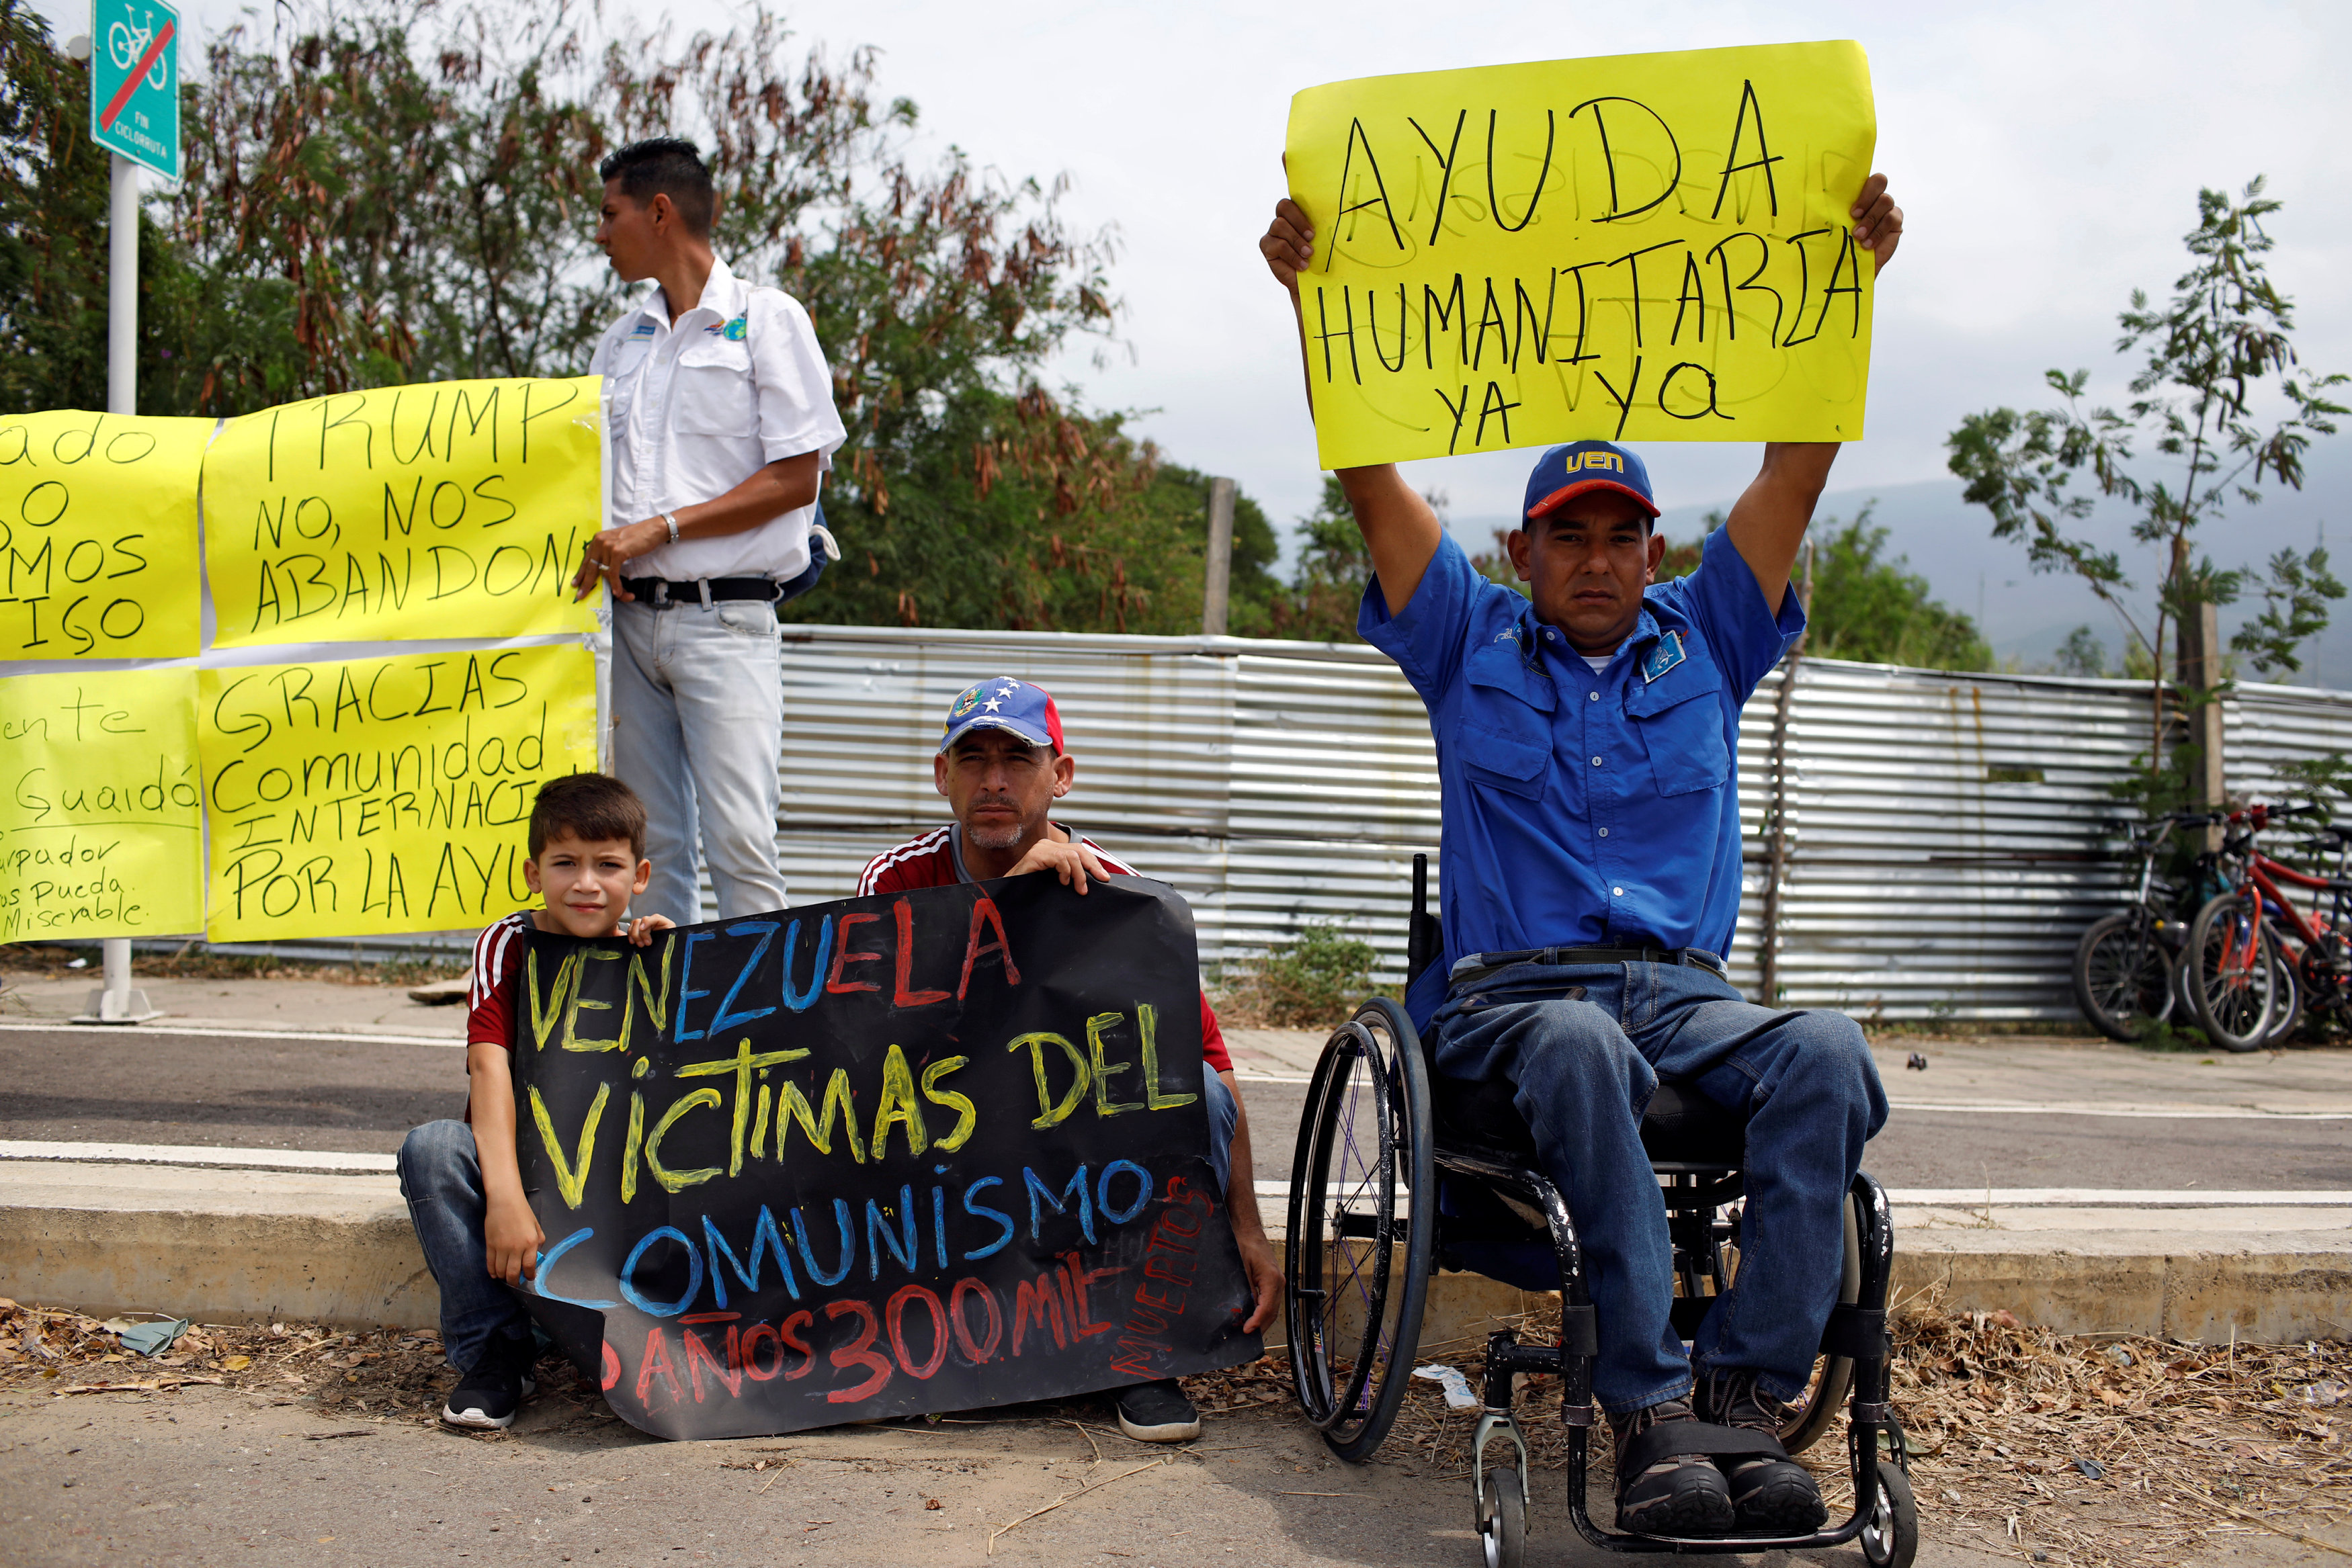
(919, 1153)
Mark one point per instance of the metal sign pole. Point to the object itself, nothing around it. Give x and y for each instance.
(118, 1001)
(134, 114)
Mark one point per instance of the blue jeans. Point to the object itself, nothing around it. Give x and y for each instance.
(697, 725)
(1584, 1070)
(441, 1177)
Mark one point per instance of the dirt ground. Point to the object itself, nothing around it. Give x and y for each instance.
(290, 1444)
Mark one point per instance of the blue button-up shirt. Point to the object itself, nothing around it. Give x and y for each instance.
(1584, 810)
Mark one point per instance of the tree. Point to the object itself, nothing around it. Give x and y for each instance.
(54, 195)
(1870, 609)
(2222, 405)
(2083, 653)
(388, 191)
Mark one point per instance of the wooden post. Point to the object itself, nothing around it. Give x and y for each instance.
(2199, 665)
(1217, 584)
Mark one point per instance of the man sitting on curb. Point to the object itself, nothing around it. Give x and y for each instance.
(1001, 766)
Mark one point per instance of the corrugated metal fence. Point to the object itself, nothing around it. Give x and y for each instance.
(1949, 834)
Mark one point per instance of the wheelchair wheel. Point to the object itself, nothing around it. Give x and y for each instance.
(1504, 1530)
(1890, 1537)
(1817, 1408)
(1357, 1250)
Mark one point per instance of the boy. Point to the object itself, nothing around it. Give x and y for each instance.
(461, 1179)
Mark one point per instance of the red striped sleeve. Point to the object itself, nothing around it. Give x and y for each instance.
(926, 861)
(497, 967)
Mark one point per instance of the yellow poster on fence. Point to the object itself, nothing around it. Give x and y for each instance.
(1644, 248)
(448, 509)
(98, 535)
(100, 822)
(384, 795)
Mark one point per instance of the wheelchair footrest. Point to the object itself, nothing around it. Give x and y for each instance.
(1672, 1439)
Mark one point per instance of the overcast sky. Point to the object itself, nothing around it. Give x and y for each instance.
(2047, 156)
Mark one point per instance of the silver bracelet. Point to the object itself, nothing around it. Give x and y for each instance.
(671, 518)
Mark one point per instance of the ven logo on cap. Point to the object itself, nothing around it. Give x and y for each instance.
(1566, 472)
(1006, 704)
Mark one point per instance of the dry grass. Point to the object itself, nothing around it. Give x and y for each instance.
(2129, 1453)
(2134, 1453)
(380, 1374)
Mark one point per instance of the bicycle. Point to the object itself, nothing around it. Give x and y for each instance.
(2252, 987)
(2126, 970)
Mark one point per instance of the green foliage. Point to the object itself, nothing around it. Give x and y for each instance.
(1311, 981)
(1868, 607)
(388, 191)
(2082, 653)
(2222, 405)
(54, 186)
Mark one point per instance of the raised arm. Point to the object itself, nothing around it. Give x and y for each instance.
(1768, 521)
(1398, 525)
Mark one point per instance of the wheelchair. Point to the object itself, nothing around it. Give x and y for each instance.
(1401, 1172)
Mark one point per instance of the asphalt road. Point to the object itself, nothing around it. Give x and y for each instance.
(157, 1087)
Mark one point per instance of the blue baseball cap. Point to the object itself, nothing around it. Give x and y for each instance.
(1582, 465)
(1005, 704)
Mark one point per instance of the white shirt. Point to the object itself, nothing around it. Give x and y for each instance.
(694, 410)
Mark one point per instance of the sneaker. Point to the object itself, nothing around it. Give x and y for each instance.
(1674, 1494)
(1768, 1497)
(489, 1396)
(1157, 1413)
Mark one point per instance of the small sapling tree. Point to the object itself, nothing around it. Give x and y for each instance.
(2221, 408)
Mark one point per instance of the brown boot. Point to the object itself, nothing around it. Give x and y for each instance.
(1769, 1496)
(1659, 1491)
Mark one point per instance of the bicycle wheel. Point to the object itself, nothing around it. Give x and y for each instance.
(2122, 976)
(2233, 973)
(1359, 1240)
(2287, 981)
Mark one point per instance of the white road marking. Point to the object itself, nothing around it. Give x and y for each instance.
(211, 1031)
(2055, 1197)
(2127, 1110)
(196, 1154)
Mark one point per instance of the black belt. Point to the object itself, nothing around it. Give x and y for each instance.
(662, 594)
(1691, 958)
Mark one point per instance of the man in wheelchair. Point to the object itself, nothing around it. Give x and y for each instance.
(1587, 738)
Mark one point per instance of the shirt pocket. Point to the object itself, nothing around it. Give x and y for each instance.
(715, 394)
(622, 380)
(1683, 733)
(1504, 733)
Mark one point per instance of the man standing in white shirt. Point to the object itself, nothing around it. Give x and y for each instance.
(719, 424)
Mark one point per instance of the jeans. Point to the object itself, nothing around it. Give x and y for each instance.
(1584, 1070)
(1224, 1114)
(698, 721)
(441, 1177)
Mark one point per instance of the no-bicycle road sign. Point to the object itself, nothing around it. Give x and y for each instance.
(134, 82)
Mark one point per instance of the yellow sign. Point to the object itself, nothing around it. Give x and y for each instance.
(101, 824)
(382, 794)
(98, 535)
(450, 509)
(1647, 247)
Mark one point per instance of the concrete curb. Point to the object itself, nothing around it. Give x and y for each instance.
(250, 1246)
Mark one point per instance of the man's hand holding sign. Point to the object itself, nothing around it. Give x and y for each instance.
(1671, 248)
